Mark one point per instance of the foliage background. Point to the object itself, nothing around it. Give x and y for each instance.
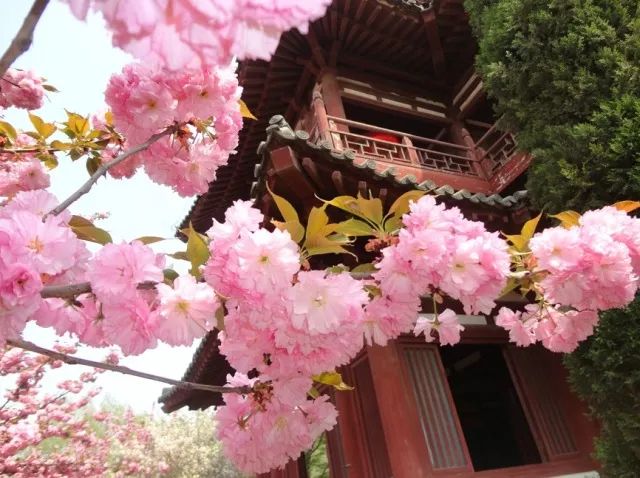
(565, 75)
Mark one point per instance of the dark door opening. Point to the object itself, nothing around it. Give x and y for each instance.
(493, 422)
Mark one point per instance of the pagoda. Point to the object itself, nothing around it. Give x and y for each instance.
(381, 97)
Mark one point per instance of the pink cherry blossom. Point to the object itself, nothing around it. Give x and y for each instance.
(118, 269)
(22, 89)
(187, 311)
(446, 324)
(189, 33)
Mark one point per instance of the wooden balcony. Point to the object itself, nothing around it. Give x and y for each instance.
(487, 165)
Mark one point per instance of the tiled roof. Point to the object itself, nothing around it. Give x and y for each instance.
(414, 5)
(279, 132)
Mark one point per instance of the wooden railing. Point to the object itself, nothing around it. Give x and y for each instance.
(495, 149)
(409, 150)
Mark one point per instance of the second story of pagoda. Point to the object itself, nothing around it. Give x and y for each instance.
(391, 86)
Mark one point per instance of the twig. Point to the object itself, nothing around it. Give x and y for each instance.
(102, 170)
(70, 359)
(72, 290)
(23, 39)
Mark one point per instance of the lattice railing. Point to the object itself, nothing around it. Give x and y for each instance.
(409, 149)
(496, 148)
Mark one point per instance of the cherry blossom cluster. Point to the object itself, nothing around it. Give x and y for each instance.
(200, 33)
(22, 172)
(266, 428)
(438, 252)
(22, 89)
(145, 101)
(587, 268)
(31, 421)
(33, 250)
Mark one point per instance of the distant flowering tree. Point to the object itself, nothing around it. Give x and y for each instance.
(54, 434)
(177, 114)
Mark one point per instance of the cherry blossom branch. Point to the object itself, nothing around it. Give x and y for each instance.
(72, 360)
(102, 170)
(73, 290)
(23, 39)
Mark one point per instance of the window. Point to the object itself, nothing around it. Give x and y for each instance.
(492, 419)
(488, 407)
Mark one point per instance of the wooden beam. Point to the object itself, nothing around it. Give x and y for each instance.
(433, 38)
(317, 52)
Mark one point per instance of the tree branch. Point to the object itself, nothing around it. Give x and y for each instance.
(23, 39)
(102, 170)
(70, 359)
(70, 291)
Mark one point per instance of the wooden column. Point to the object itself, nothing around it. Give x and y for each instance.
(320, 113)
(398, 411)
(462, 136)
(331, 93)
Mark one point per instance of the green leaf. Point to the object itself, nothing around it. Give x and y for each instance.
(354, 227)
(245, 112)
(393, 224)
(288, 212)
(92, 234)
(8, 130)
(568, 219)
(50, 88)
(333, 379)
(197, 250)
(401, 205)
(149, 239)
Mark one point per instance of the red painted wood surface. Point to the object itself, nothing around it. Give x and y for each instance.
(398, 412)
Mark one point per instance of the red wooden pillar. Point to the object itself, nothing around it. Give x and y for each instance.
(463, 137)
(398, 413)
(333, 103)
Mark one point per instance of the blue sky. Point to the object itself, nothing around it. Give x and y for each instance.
(78, 59)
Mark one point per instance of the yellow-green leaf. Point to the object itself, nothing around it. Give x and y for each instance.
(317, 221)
(518, 241)
(93, 163)
(294, 228)
(149, 239)
(529, 228)
(77, 123)
(79, 221)
(170, 275)
(393, 224)
(333, 379)
(401, 205)
(197, 250)
(44, 129)
(371, 207)
(627, 206)
(92, 234)
(245, 112)
(568, 219)
(288, 212)
(8, 130)
(328, 249)
(354, 227)
(59, 145)
(180, 255)
(364, 268)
